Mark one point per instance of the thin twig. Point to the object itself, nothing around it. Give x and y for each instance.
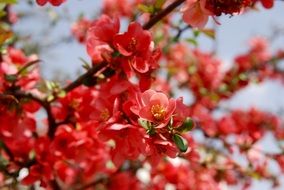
(79, 81)
(156, 18)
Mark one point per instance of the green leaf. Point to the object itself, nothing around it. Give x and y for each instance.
(32, 154)
(115, 54)
(159, 4)
(196, 33)
(180, 143)
(146, 9)
(223, 88)
(11, 78)
(203, 91)
(50, 98)
(61, 94)
(2, 6)
(192, 69)
(8, 1)
(3, 162)
(2, 13)
(85, 65)
(187, 125)
(151, 131)
(192, 41)
(49, 85)
(5, 32)
(24, 69)
(143, 123)
(243, 77)
(209, 33)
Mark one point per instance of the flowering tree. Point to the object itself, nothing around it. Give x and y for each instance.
(123, 117)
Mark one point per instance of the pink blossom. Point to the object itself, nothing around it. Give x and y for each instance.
(155, 107)
(195, 14)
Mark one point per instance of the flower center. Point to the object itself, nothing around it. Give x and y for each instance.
(132, 44)
(158, 112)
(75, 103)
(104, 114)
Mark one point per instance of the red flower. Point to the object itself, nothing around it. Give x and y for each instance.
(42, 172)
(61, 145)
(195, 13)
(79, 29)
(125, 181)
(135, 45)
(155, 107)
(135, 40)
(118, 7)
(16, 132)
(158, 148)
(226, 7)
(66, 172)
(129, 142)
(267, 3)
(53, 2)
(100, 36)
(14, 61)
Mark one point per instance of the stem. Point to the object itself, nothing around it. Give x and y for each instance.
(46, 106)
(162, 14)
(180, 31)
(54, 185)
(26, 66)
(79, 81)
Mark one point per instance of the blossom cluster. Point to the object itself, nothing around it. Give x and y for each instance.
(123, 124)
(197, 12)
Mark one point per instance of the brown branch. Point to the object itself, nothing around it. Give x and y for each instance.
(7, 150)
(180, 31)
(45, 105)
(156, 18)
(55, 186)
(80, 80)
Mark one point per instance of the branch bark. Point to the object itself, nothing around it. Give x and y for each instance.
(156, 18)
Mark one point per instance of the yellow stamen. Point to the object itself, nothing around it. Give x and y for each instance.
(132, 44)
(158, 112)
(104, 114)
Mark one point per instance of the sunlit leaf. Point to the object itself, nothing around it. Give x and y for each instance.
(146, 9)
(192, 41)
(209, 33)
(180, 143)
(187, 125)
(4, 35)
(159, 4)
(143, 123)
(8, 1)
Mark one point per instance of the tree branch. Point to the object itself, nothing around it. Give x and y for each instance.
(156, 18)
(45, 105)
(80, 80)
